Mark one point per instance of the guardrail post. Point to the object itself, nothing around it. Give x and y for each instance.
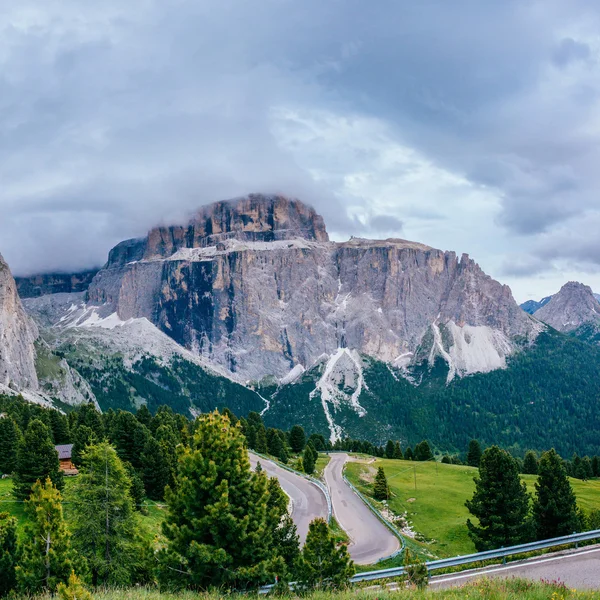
(504, 556)
(576, 543)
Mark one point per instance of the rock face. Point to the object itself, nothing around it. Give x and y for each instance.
(54, 283)
(573, 306)
(17, 336)
(531, 306)
(256, 286)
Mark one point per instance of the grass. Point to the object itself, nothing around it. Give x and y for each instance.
(436, 508)
(483, 589)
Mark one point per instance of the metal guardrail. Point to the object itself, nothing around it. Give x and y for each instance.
(378, 514)
(313, 480)
(445, 563)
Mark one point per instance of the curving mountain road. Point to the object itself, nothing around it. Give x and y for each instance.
(371, 539)
(308, 501)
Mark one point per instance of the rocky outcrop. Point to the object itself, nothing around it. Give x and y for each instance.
(573, 306)
(17, 337)
(54, 283)
(531, 306)
(256, 286)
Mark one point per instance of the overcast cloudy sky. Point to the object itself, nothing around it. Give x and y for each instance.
(471, 125)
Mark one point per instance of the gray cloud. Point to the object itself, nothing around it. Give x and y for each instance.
(118, 116)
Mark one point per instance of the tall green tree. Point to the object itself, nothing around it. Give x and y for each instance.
(129, 437)
(297, 439)
(554, 505)
(87, 414)
(8, 553)
(474, 453)
(530, 463)
(155, 469)
(260, 436)
(37, 459)
(168, 441)
(381, 490)
(423, 451)
(275, 445)
(219, 525)
(398, 451)
(389, 449)
(83, 436)
(408, 455)
(105, 529)
(59, 426)
(9, 444)
(309, 459)
(144, 416)
(46, 558)
(322, 564)
(500, 502)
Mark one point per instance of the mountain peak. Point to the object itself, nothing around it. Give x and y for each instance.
(574, 305)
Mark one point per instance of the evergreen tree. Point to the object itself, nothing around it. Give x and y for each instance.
(446, 460)
(586, 468)
(297, 439)
(389, 449)
(129, 437)
(74, 589)
(155, 469)
(59, 426)
(88, 415)
(46, 558)
(595, 466)
(554, 505)
(105, 529)
(423, 451)
(381, 490)
(318, 441)
(221, 519)
(530, 464)
(138, 491)
(36, 459)
(9, 444)
(144, 416)
(408, 455)
(275, 445)
(83, 437)
(500, 502)
(398, 451)
(322, 565)
(309, 459)
(8, 553)
(261, 439)
(168, 442)
(474, 453)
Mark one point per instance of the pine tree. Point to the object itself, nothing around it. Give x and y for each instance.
(59, 426)
(9, 444)
(168, 443)
(129, 437)
(322, 565)
(474, 453)
(138, 491)
(595, 466)
(36, 459)
(309, 459)
(408, 455)
(500, 502)
(105, 529)
(46, 558)
(530, 464)
(398, 451)
(381, 490)
(261, 440)
(389, 449)
(155, 469)
(88, 415)
(297, 439)
(221, 518)
(554, 505)
(8, 553)
(83, 437)
(423, 451)
(144, 416)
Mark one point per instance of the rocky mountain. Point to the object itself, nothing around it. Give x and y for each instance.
(531, 306)
(17, 337)
(54, 283)
(571, 308)
(255, 286)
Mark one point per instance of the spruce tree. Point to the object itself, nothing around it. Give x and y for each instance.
(530, 463)
(129, 437)
(59, 426)
(398, 451)
(8, 553)
(168, 442)
(9, 444)
(261, 440)
(88, 415)
(322, 565)
(423, 451)
(46, 558)
(297, 439)
(37, 459)
(144, 416)
(408, 455)
(83, 437)
(500, 502)
(389, 449)
(381, 490)
(309, 459)
(474, 453)
(105, 529)
(155, 469)
(220, 523)
(554, 505)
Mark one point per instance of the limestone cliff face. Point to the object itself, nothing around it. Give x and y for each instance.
(573, 306)
(54, 283)
(17, 336)
(256, 286)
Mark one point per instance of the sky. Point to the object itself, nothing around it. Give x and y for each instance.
(471, 125)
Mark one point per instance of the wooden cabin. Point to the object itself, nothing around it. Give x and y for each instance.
(64, 458)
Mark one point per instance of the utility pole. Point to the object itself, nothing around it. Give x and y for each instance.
(415, 472)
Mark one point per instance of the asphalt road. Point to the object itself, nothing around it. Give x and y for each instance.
(371, 539)
(577, 569)
(308, 501)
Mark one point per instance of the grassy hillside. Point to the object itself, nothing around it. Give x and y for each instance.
(436, 508)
